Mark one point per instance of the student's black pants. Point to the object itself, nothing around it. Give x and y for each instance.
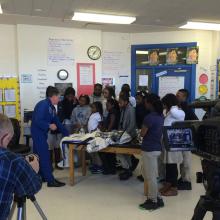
(108, 161)
(172, 174)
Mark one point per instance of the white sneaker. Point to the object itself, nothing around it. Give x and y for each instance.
(63, 164)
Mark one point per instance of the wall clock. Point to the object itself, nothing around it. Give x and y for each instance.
(94, 52)
(62, 74)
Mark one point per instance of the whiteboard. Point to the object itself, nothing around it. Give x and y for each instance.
(170, 84)
(60, 52)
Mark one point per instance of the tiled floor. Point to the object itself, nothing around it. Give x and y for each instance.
(97, 197)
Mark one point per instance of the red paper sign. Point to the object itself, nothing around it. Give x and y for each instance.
(85, 78)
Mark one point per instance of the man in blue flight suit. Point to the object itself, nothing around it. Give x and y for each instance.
(45, 119)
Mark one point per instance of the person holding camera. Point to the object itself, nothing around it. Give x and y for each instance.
(18, 176)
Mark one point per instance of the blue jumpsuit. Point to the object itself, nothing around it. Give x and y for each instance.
(44, 115)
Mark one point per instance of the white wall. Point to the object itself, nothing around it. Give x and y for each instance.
(8, 50)
(32, 56)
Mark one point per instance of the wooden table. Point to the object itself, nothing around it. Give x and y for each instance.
(82, 150)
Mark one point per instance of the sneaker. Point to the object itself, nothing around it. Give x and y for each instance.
(184, 185)
(160, 202)
(172, 191)
(96, 170)
(149, 205)
(125, 175)
(140, 178)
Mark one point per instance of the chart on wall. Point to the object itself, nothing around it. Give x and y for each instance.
(60, 52)
(170, 84)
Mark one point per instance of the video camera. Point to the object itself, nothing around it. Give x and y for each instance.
(203, 139)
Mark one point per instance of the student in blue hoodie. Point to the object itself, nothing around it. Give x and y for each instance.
(45, 119)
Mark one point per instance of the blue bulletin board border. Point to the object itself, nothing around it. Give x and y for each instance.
(192, 67)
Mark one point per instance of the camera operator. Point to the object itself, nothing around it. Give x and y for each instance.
(17, 175)
(184, 183)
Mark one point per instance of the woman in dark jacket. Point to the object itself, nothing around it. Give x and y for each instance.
(110, 123)
(66, 106)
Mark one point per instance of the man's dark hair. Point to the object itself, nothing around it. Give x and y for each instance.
(70, 91)
(51, 91)
(98, 85)
(170, 100)
(124, 97)
(99, 108)
(125, 88)
(86, 97)
(155, 101)
(185, 92)
(111, 91)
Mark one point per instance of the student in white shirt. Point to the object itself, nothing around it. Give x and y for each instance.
(94, 123)
(96, 117)
(171, 159)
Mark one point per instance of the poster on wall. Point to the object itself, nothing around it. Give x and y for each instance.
(85, 78)
(172, 56)
(153, 57)
(192, 55)
(170, 84)
(107, 81)
(60, 52)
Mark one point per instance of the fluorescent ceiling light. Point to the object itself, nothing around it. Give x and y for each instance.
(141, 52)
(103, 18)
(201, 26)
(1, 12)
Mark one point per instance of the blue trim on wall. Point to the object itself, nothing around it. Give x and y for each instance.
(160, 46)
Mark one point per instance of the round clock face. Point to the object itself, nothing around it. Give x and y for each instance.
(94, 52)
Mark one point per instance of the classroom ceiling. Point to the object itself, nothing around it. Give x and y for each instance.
(152, 15)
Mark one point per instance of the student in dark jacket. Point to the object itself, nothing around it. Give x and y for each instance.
(66, 106)
(110, 123)
(141, 111)
(184, 183)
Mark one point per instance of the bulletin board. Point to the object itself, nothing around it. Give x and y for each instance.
(85, 78)
(10, 97)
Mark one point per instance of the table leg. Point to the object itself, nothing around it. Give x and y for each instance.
(71, 163)
(84, 168)
(145, 187)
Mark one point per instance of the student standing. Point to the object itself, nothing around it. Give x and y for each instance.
(151, 149)
(141, 111)
(45, 119)
(171, 159)
(110, 123)
(81, 114)
(127, 124)
(97, 94)
(66, 106)
(184, 183)
(94, 123)
(127, 90)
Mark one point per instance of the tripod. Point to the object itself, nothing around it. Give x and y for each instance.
(205, 204)
(21, 205)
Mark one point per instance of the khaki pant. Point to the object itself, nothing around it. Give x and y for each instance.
(150, 172)
(185, 166)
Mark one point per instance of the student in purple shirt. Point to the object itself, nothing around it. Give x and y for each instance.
(151, 150)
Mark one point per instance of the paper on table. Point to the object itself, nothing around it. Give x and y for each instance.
(10, 111)
(143, 80)
(86, 75)
(170, 84)
(10, 95)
